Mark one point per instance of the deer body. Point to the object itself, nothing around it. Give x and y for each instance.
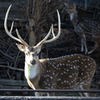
(68, 72)
(86, 28)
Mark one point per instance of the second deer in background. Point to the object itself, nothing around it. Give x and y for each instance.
(86, 28)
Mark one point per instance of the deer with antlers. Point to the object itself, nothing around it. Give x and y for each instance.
(85, 28)
(67, 72)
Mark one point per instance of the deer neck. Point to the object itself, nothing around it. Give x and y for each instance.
(33, 71)
(74, 19)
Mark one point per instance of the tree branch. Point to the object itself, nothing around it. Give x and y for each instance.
(12, 68)
(7, 56)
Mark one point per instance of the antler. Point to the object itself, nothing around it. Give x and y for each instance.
(52, 30)
(9, 33)
(19, 39)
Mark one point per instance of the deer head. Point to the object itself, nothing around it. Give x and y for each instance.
(71, 9)
(31, 53)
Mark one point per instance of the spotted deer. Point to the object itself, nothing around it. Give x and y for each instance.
(73, 71)
(85, 28)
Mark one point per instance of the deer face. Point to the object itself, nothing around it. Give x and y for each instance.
(31, 54)
(71, 9)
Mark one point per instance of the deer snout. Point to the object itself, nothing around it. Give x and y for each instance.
(33, 62)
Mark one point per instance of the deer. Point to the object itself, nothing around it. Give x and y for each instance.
(73, 71)
(85, 28)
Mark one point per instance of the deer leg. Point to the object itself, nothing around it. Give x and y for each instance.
(84, 94)
(77, 87)
(37, 94)
(83, 44)
(42, 94)
(82, 47)
(95, 47)
(81, 87)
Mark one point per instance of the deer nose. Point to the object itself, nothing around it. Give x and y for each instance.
(33, 62)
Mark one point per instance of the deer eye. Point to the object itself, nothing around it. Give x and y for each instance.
(27, 53)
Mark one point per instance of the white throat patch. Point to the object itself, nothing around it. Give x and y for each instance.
(71, 16)
(31, 71)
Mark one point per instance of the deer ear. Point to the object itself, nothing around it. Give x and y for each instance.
(21, 47)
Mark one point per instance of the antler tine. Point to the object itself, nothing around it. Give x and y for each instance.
(11, 27)
(5, 25)
(59, 30)
(9, 33)
(41, 42)
(21, 38)
(52, 30)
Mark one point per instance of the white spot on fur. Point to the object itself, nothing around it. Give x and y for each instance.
(71, 16)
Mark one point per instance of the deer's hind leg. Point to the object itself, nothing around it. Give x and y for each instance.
(85, 87)
(84, 44)
(82, 87)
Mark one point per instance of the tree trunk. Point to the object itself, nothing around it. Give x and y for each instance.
(32, 33)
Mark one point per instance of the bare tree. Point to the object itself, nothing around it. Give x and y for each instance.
(38, 13)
